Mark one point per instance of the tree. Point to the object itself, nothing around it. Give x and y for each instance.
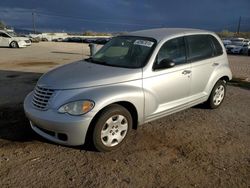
(2, 25)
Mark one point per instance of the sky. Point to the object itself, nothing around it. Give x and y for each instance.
(125, 15)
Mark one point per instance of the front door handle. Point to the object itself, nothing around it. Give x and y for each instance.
(186, 72)
(215, 64)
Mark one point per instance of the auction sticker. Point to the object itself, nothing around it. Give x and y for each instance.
(144, 43)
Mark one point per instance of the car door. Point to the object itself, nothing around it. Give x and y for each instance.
(4, 39)
(167, 89)
(203, 52)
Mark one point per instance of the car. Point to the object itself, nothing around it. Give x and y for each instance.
(133, 79)
(226, 42)
(239, 48)
(57, 40)
(246, 49)
(102, 40)
(233, 45)
(10, 39)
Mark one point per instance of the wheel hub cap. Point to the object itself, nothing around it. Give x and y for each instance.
(114, 130)
(219, 95)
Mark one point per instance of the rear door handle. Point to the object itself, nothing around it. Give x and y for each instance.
(186, 72)
(215, 64)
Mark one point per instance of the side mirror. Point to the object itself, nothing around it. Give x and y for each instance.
(164, 64)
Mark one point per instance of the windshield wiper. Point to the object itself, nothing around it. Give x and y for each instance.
(96, 61)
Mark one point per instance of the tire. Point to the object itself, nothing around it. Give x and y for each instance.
(217, 95)
(111, 128)
(14, 44)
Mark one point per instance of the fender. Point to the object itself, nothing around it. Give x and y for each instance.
(221, 71)
(105, 95)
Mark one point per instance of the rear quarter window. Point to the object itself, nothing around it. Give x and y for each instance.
(200, 47)
(217, 47)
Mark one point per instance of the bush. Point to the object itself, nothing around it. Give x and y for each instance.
(229, 34)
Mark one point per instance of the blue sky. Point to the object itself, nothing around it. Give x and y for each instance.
(125, 15)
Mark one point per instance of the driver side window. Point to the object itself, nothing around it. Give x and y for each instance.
(173, 50)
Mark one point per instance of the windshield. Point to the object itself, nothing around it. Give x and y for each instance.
(237, 43)
(125, 51)
(13, 34)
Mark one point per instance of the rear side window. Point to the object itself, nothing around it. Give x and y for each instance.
(199, 47)
(217, 47)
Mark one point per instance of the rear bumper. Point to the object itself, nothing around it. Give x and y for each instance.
(60, 128)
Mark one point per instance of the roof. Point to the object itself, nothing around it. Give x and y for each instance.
(162, 33)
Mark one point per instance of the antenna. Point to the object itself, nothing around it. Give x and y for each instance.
(238, 29)
(33, 21)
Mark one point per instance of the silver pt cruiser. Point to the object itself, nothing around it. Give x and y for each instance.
(133, 79)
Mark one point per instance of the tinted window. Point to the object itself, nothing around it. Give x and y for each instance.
(200, 47)
(4, 35)
(217, 47)
(173, 50)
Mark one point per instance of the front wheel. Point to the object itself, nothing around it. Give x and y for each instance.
(217, 95)
(111, 128)
(13, 44)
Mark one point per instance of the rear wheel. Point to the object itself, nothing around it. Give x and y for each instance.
(111, 128)
(217, 95)
(13, 44)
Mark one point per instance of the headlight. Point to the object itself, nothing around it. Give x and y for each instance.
(77, 107)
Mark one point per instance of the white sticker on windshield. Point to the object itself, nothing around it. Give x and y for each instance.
(144, 43)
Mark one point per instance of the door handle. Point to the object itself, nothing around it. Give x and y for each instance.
(215, 64)
(186, 72)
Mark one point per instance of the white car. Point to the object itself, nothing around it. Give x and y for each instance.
(10, 39)
(239, 49)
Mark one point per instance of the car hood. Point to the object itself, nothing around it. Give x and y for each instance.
(20, 38)
(83, 74)
(230, 46)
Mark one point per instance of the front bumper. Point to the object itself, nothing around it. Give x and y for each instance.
(60, 128)
(23, 44)
(235, 51)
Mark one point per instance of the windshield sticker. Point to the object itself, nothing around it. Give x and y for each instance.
(144, 43)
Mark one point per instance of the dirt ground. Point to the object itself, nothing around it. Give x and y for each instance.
(197, 147)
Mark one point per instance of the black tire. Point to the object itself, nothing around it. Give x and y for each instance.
(101, 124)
(211, 100)
(14, 44)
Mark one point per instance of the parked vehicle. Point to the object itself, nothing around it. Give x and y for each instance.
(10, 39)
(102, 40)
(133, 79)
(226, 42)
(246, 49)
(237, 47)
(58, 40)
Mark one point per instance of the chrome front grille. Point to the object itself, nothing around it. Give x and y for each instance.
(41, 97)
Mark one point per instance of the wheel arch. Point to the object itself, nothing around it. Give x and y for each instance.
(222, 73)
(15, 42)
(128, 105)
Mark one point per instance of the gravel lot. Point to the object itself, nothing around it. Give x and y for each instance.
(193, 148)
